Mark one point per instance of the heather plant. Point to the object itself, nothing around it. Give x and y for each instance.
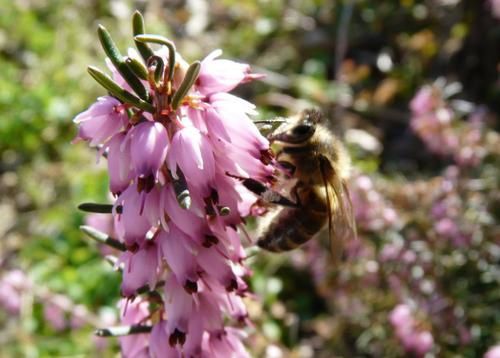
(413, 83)
(176, 141)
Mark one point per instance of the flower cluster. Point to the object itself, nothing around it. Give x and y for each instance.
(414, 339)
(12, 285)
(433, 120)
(174, 149)
(372, 212)
(495, 8)
(17, 290)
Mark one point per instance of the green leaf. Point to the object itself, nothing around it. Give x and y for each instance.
(102, 237)
(137, 67)
(119, 62)
(117, 91)
(162, 41)
(123, 330)
(99, 208)
(139, 29)
(187, 83)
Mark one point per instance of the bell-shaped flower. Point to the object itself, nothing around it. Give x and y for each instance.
(119, 163)
(148, 147)
(179, 306)
(179, 256)
(140, 269)
(135, 345)
(217, 266)
(220, 75)
(209, 307)
(227, 343)
(191, 151)
(215, 125)
(185, 219)
(132, 224)
(196, 330)
(233, 113)
(159, 346)
(103, 119)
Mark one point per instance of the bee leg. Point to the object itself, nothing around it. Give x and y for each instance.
(267, 194)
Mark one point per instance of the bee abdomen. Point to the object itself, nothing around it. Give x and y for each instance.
(290, 229)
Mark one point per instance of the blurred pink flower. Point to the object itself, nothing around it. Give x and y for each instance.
(401, 316)
(12, 285)
(412, 338)
(372, 211)
(423, 102)
(433, 120)
(495, 8)
(493, 352)
(54, 315)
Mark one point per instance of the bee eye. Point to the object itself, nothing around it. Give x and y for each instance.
(303, 131)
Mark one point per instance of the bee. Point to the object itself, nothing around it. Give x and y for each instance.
(319, 166)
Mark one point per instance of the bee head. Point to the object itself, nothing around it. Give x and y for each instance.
(299, 128)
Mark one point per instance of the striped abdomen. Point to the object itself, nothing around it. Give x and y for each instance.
(292, 227)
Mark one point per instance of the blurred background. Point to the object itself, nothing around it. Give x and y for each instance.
(414, 87)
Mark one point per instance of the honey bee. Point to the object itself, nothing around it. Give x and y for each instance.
(319, 166)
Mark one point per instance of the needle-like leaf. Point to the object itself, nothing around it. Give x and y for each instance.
(187, 83)
(139, 29)
(99, 208)
(102, 237)
(120, 331)
(119, 92)
(119, 62)
(137, 67)
(161, 41)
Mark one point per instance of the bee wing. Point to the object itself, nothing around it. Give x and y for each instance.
(341, 225)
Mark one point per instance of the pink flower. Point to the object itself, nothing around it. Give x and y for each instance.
(401, 315)
(406, 326)
(423, 101)
(179, 304)
(227, 343)
(371, 210)
(177, 249)
(192, 153)
(132, 224)
(423, 343)
(101, 121)
(55, 316)
(159, 346)
(148, 147)
(12, 285)
(119, 163)
(493, 352)
(220, 75)
(194, 250)
(132, 313)
(495, 7)
(140, 269)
